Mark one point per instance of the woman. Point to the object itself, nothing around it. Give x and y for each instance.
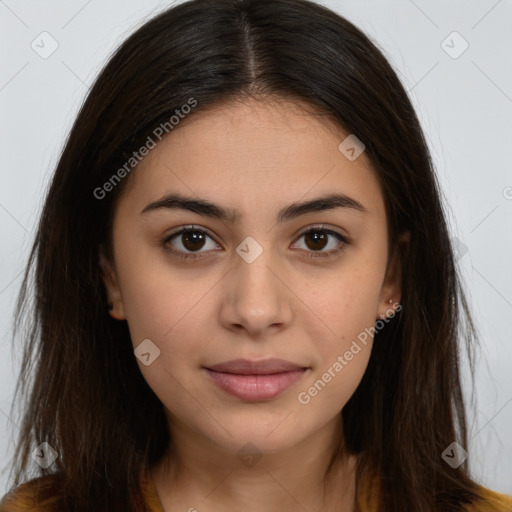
(245, 290)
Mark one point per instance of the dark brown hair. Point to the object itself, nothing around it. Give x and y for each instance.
(80, 388)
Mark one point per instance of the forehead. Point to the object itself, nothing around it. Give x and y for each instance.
(254, 154)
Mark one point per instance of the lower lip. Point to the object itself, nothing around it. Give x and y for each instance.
(255, 387)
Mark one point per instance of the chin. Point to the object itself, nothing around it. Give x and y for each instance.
(269, 434)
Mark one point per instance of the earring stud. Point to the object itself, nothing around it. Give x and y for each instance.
(110, 308)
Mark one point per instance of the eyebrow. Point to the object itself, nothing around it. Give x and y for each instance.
(209, 209)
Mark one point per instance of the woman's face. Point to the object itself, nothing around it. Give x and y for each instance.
(248, 283)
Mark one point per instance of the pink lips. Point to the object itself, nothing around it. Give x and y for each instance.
(255, 380)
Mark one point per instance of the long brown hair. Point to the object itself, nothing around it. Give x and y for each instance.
(80, 388)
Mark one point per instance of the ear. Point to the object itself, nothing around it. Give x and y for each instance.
(392, 286)
(109, 278)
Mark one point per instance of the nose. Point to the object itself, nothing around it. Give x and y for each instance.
(256, 297)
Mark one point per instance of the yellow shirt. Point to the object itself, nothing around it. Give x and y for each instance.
(23, 498)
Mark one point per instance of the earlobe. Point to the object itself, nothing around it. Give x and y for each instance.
(115, 303)
(107, 273)
(391, 292)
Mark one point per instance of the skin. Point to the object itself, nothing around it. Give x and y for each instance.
(256, 157)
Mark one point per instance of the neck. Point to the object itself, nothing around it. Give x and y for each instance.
(317, 474)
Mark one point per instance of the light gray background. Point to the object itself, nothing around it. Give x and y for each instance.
(464, 103)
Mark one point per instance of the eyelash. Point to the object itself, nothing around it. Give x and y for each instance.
(344, 241)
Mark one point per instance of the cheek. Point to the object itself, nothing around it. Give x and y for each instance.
(347, 308)
(331, 386)
(158, 297)
(345, 304)
(343, 351)
(167, 313)
(167, 306)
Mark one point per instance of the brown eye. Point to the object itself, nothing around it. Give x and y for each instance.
(316, 239)
(193, 240)
(188, 241)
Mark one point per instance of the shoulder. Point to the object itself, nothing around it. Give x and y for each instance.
(491, 501)
(37, 495)
(45, 494)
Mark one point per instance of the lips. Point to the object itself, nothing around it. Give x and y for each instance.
(255, 380)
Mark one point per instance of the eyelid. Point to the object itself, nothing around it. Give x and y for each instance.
(323, 227)
(344, 240)
(190, 227)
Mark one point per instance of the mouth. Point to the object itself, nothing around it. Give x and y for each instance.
(255, 380)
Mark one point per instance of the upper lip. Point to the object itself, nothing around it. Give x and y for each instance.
(247, 367)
